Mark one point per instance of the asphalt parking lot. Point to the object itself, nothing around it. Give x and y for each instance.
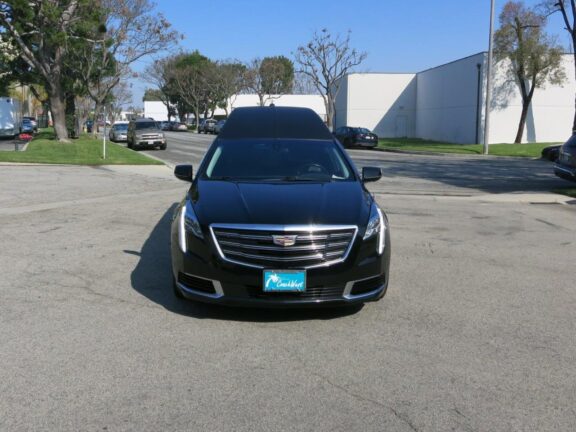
(476, 332)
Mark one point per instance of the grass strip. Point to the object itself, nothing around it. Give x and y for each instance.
(82, 151)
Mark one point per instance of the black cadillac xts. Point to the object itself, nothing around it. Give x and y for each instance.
(277, 215)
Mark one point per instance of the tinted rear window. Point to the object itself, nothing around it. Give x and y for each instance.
(275, 122)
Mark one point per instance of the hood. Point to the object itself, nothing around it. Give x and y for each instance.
(334, 203)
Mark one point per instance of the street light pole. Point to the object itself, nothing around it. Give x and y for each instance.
(489, 82)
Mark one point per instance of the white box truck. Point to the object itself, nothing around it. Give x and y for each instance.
(10, 117)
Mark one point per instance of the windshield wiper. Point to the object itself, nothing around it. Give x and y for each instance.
(307, 179)
(223, 178)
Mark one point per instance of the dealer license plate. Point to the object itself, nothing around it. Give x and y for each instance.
(284, 280)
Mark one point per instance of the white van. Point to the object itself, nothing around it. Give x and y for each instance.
(9, 117)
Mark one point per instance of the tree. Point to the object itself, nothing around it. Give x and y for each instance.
(568, 12)
(132, 31)
(531, 56)
(187, 77)
(226, 82)
(43, 31)
(157, 75)
(303, 84)
(269, 77)
(326, 59)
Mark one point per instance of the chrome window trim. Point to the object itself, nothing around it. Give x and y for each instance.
(283, 228)
(349, 285)
(566, 170)
(217, 287)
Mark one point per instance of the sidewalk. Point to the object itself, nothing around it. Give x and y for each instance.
(10, 145)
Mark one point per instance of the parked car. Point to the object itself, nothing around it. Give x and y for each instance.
(551, 152)
(33, 121)
(119, 132)
(180, 127)
(207, 126)
(26, 126)
(356, 136)
(565, 166)
(278, 216)
(218, 126)
(10, 119)
(145, 133)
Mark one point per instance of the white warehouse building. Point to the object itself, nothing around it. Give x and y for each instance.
(447, 103)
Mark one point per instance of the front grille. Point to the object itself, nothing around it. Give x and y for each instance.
(313, 246)
(319, 292)
(196, 283)
(368, 285)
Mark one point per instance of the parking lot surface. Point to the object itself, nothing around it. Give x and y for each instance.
(476, 332)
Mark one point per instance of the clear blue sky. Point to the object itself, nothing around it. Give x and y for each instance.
(398, 35)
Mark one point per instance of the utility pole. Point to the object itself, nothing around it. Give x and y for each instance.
(489, 81)
(104, 141)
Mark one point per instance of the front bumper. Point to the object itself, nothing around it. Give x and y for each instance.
(201, 275)
(366, 143)
(151, 142)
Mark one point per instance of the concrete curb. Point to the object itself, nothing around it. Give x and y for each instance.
(455, 155)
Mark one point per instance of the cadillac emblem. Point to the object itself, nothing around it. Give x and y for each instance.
(284, 240)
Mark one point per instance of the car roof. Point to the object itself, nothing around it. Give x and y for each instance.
(276, 123)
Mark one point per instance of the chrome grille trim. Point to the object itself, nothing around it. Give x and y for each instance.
(334, 248)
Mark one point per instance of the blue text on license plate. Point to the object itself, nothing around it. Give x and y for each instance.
(284, 281)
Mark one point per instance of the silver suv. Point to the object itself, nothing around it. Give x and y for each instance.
(145, 133)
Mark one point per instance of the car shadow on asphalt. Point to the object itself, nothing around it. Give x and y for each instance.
(490, 175)
(152, 278)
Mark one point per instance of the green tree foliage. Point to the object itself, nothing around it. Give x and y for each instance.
(277, 75)
(269, 77)
(45, 32)
(152, 95)
(532, 58)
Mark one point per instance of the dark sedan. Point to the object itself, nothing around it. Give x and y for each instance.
(565, 166)
(356, 137)
(278, 216)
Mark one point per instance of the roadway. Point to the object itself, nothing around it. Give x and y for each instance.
(441, 175)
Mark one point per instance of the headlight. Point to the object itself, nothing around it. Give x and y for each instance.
(376, 226)
(188, 223)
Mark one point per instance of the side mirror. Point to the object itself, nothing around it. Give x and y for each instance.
(183, 172)
(371, 174)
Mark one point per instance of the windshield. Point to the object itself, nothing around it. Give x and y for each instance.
(278, 161)
(362, 131)
(121, 127)
(146, 125)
